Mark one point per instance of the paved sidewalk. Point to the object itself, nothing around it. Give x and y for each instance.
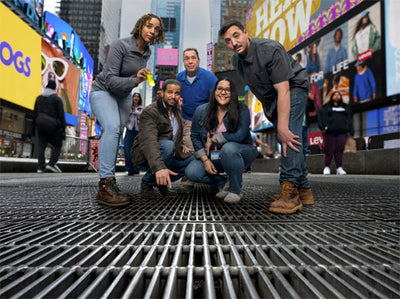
(56, 241)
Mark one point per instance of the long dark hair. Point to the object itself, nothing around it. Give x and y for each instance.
(140, 98)
(211, 119)
(359, 24)
(341, 103)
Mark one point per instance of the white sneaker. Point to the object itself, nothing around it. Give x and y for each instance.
(40, 171)
(340, 171)
(327, 170)
(233, 198)
(223, 191)
(53, 168)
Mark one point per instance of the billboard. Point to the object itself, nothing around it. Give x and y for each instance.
(392, 42)
(55, 66)
(33, 9)
(347, 59)
(209, 57)
(66, 38)
(292, 22)
(167, 56)
(19, 60)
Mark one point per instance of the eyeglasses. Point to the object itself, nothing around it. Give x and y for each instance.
(221, 89)
(58, 66)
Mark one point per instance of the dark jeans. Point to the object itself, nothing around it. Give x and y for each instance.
(55, 151)
(334, 146)
(293, 166)
(128, 143)
(167, 148)
(234, 157)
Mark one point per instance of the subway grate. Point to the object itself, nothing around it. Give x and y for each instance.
(56, 242)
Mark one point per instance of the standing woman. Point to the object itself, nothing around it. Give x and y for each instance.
(222, 142)
(335, 121)
(110, 98)
(132, 130)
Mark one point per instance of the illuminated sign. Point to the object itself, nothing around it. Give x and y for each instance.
(66, 38)
(33, 9)
(19, 60)
(167, 56)
(392, 8)
(291, 22)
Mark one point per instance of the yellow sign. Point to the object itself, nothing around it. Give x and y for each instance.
(20, 73)
(281, 20)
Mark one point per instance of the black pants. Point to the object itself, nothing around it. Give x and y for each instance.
(55, 151)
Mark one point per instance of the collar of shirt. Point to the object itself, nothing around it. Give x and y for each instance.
(134, 48)
(250, 53)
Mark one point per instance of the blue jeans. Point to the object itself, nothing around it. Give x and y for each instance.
(234, 158)
(130, 136)
(112, 113)
(167, 148)
(293, 167)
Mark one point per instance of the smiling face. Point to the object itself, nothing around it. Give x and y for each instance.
(223, 93)
(191, 62)
(136, 99)
(171, 95)
(150, 30)
(237, 40)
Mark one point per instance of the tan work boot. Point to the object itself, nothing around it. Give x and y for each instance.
(110, 195)
(289, 200)
(305, 195)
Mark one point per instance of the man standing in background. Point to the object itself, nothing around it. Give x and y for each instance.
(197, 84)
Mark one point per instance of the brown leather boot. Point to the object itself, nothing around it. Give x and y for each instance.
(110, 195)
(305, 194)
(289, 200)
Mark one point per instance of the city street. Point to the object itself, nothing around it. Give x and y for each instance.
(56, 241)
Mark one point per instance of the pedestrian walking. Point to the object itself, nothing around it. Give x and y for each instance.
(131, 131)
(335, 121)
(50, 123)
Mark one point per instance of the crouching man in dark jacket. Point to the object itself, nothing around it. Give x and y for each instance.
(159, 146)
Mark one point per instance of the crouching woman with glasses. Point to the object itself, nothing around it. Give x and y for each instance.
(222, 142)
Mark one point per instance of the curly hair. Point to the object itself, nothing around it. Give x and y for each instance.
(142, 21)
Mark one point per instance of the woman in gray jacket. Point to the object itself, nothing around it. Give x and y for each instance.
(110, 98)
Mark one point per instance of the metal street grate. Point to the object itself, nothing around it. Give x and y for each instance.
(56, 242)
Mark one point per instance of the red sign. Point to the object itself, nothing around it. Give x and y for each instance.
(365, 55)
(315, 138)
(209, 57)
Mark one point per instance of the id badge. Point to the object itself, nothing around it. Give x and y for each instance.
(214, 155)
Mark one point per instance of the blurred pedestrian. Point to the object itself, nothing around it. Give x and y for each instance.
(222, 142)
(111, 101)
(335, 121)
(50, 123)
(159, 147)
(281, 84)
(197, 84)
(132, 129)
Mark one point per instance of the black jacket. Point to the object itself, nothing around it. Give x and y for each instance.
(336, 119)
(51, 104)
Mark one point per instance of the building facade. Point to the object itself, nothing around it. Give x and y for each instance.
(85, 17)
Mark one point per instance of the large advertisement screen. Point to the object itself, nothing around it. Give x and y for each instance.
(66, 38)
(292, 22)
(54, 66)
(19, 60)
(347, 59)
(392, 24)
(33, 9)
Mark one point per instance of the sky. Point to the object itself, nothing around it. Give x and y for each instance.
(196, 24)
